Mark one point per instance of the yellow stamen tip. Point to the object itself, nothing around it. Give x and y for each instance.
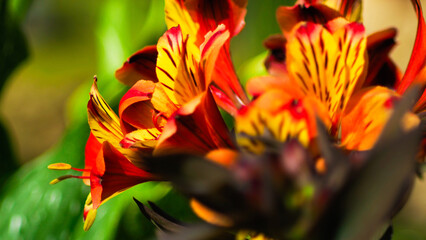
(54, 181)
(91, 215)
(59, 166)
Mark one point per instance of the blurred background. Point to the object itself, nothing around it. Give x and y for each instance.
(43, 115)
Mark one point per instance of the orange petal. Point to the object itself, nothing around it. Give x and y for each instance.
(279, 116)
(366, 115)
(209, 215)
(223, 156)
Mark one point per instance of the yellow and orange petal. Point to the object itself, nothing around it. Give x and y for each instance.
(105, 124)
(367, 114)
(279, 116)
(328, 65)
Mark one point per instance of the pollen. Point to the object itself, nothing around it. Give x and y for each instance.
(59, 166)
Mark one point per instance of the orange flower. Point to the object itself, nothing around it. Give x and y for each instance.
(108, 173)
(325, 57)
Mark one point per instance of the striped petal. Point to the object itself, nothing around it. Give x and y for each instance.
(199, 17)
(178, 15)
(141, 138)
(177, 66)
(366, 116)
(105, 124)
(278, 116)
(328, 65)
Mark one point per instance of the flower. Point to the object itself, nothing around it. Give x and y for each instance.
(170, 100)
(320, 127)
(107, 171)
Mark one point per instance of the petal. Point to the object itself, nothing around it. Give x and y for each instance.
(378, 46)
(416, 69)
(210, 50)
(142, 103)
(105, 124)
(141, 65)
(278, 116)
(178, 15)
(259, 85)
(91, 152)
(178, 66)
(418, 56)
(289, 17)
(141, 138)
(196, 128)
(223, 156)
(209, 215)
(366, 115)
(350, 9)
(198, 17)
(328, 66)
(209, 14)
(113, 174)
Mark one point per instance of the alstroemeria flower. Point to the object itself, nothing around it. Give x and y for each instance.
(327, 58)
(107, 171)
(184, 72)
(197, 19)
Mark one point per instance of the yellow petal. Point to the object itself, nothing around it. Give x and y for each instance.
(327, 65)
(177, 14)
(90, 219)
(178, 66)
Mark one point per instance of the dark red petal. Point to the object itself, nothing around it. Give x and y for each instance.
(288, 17)
(141, 65)
(196, 128)
(114, 173)
(378, 46)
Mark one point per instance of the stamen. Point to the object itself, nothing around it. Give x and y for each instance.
(65, 166)
(61, 178)
(59, 166)
(155, 120)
